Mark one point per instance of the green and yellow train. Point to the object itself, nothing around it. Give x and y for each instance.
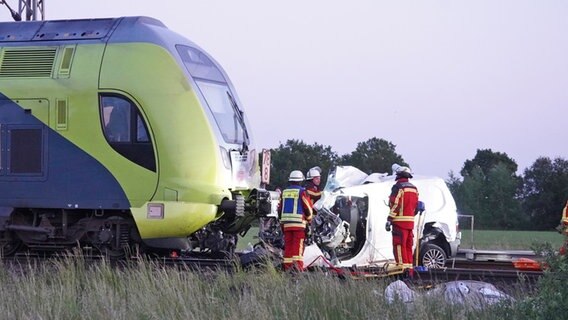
(117, 133)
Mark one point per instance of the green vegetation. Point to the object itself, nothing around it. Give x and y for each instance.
(509, 240)
(487, 186)
(72, 289)
(549, 301)
(372, 155)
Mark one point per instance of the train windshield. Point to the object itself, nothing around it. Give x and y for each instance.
(217, 94)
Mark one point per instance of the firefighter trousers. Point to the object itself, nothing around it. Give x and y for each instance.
(294, 249)
(402, 240)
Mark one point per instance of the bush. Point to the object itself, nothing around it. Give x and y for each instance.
(551, 298)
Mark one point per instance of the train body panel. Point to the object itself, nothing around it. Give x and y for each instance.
(183, 218)
(44, 169)
(125, 123)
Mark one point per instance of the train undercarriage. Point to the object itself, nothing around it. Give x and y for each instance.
(110, 233)
(113, 233)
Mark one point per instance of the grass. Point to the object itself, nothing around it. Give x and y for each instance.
(509, 240)
(71, 289)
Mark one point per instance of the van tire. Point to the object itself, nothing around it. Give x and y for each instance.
(432, 256)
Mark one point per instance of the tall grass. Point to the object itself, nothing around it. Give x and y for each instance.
(71, 288)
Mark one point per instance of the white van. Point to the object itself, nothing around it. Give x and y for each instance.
(349, 228)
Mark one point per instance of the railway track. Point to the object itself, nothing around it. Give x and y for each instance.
(499, 273)
(495, 276)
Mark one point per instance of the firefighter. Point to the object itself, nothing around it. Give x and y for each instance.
(565, 219)
(295, 215)
(403, 201)
(563, 228)
(313, 185)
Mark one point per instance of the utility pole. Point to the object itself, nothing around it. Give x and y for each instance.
(30, 10)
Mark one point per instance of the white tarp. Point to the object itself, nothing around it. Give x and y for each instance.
(475, 294)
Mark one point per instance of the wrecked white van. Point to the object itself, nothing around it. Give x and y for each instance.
(349, 229)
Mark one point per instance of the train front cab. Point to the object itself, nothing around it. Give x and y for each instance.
(172, 167)
(205, 160)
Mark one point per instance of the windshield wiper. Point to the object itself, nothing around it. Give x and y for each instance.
(241, 119)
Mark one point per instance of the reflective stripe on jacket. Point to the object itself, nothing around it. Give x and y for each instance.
(403, 201)
(296, 207)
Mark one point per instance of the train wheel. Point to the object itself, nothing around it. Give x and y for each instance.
(115, 238)
(9, 246)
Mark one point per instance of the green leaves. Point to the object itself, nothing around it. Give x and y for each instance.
(500, 199)
(490, 188)
(490, 191)
(373, 155)
(545, 191)
(297, 155)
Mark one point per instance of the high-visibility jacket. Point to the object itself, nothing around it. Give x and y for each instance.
(295, 208)
(565, 214)
(313, 191)
(402, 202)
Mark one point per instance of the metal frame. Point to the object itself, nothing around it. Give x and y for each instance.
(32, 8)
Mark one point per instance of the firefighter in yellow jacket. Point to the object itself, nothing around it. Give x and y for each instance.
(296, 213)
(563, 228)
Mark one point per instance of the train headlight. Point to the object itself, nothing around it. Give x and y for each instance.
(225, 157)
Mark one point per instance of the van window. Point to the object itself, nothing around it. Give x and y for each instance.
(126, 131)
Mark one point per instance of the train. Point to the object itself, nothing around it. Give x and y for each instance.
(119, 134)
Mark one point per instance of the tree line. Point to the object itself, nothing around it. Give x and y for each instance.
(487, 186)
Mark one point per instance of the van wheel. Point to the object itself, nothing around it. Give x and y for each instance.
(432, 256)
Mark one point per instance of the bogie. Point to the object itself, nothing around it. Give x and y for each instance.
(113, 234)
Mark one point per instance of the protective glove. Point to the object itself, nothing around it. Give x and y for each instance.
(420, 207)
(388, 226)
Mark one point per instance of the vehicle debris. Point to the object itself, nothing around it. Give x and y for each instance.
(348, 227)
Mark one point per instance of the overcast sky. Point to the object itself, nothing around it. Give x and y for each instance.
(439, 79)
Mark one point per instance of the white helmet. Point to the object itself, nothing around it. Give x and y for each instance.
(395, 168)
(404, 172)
(296, 175)
(313, 172)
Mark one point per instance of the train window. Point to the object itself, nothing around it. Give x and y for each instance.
(116, 115)
(216, 92)
(199, 65)
(126, 131)
(224, 113)
(141, 133)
